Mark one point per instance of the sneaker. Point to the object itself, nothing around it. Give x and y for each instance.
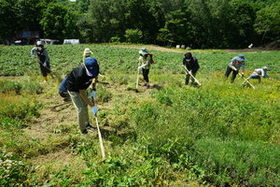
(89, 127)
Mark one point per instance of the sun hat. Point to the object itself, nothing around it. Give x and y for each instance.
(265, 67)
(143, 51)
(87, 51)
(92, 67)
(242, 57)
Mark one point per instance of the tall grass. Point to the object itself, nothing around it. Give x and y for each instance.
(221, 134)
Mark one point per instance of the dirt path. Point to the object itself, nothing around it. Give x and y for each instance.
(153, 47)
(165, 49)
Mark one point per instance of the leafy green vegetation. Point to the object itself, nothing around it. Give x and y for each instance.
(193, 23)
(221, 134)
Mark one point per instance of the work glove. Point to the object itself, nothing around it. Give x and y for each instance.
(94, 110)
(140, 67)
(92, 94)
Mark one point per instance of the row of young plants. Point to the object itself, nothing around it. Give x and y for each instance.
(16, 60)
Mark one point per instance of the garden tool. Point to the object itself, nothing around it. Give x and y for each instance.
(94, 111)
(246, 81)
(137, 79)
(188, 72)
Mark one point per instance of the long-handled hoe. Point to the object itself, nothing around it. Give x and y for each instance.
(188, 72)
(99, 135)
(246, 81)
(137, 80)
(53, 75)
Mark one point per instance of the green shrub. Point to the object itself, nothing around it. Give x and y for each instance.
(19, 87)
(10, 86)
(7, 122)
(133, 167)
(13, 172)
(115, 39)
(236, 162)
(133, 35)
(31, 87)
(18, 108)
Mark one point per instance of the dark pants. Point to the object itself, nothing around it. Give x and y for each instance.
(234, 73)
(188, 78)
(145, 73)
(45, 70)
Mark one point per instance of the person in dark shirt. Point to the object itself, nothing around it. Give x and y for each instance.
(43, 59)
(77, 82)
(192, 65)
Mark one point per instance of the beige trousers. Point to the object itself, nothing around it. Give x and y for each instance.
(81, 108)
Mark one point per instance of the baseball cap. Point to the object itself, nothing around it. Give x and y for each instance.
(92, 67)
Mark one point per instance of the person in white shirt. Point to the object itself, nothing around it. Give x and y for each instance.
(259, 73)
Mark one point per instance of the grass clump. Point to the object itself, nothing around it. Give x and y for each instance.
(25, 86)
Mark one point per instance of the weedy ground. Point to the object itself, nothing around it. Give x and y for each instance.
(171, 134)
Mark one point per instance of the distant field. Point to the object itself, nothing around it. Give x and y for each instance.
(221, 134)
(16, 60)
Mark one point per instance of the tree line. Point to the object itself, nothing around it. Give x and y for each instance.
(194, 23)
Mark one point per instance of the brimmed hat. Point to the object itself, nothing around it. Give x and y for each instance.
(241, 57)
(265, 67)
(92, 67)
(143, 51)
(87, 51)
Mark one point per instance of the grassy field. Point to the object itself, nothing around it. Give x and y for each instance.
(218, 135)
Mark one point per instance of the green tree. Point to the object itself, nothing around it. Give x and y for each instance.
(242, 23)
(29, 13)
(133, 35)
(268, 22)
(8, 21)
(177, 30)
(105, 19)
(59, 22)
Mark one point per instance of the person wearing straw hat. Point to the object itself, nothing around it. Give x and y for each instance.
(144, 63)
(87, 53)
(77, 82)
(234, 66)
(43, 59)
(259, 73)
(192, 65)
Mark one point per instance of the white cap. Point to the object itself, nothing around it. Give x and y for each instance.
(38, 43)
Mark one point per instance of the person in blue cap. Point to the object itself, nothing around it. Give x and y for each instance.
(234, 66)
(77, 82)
